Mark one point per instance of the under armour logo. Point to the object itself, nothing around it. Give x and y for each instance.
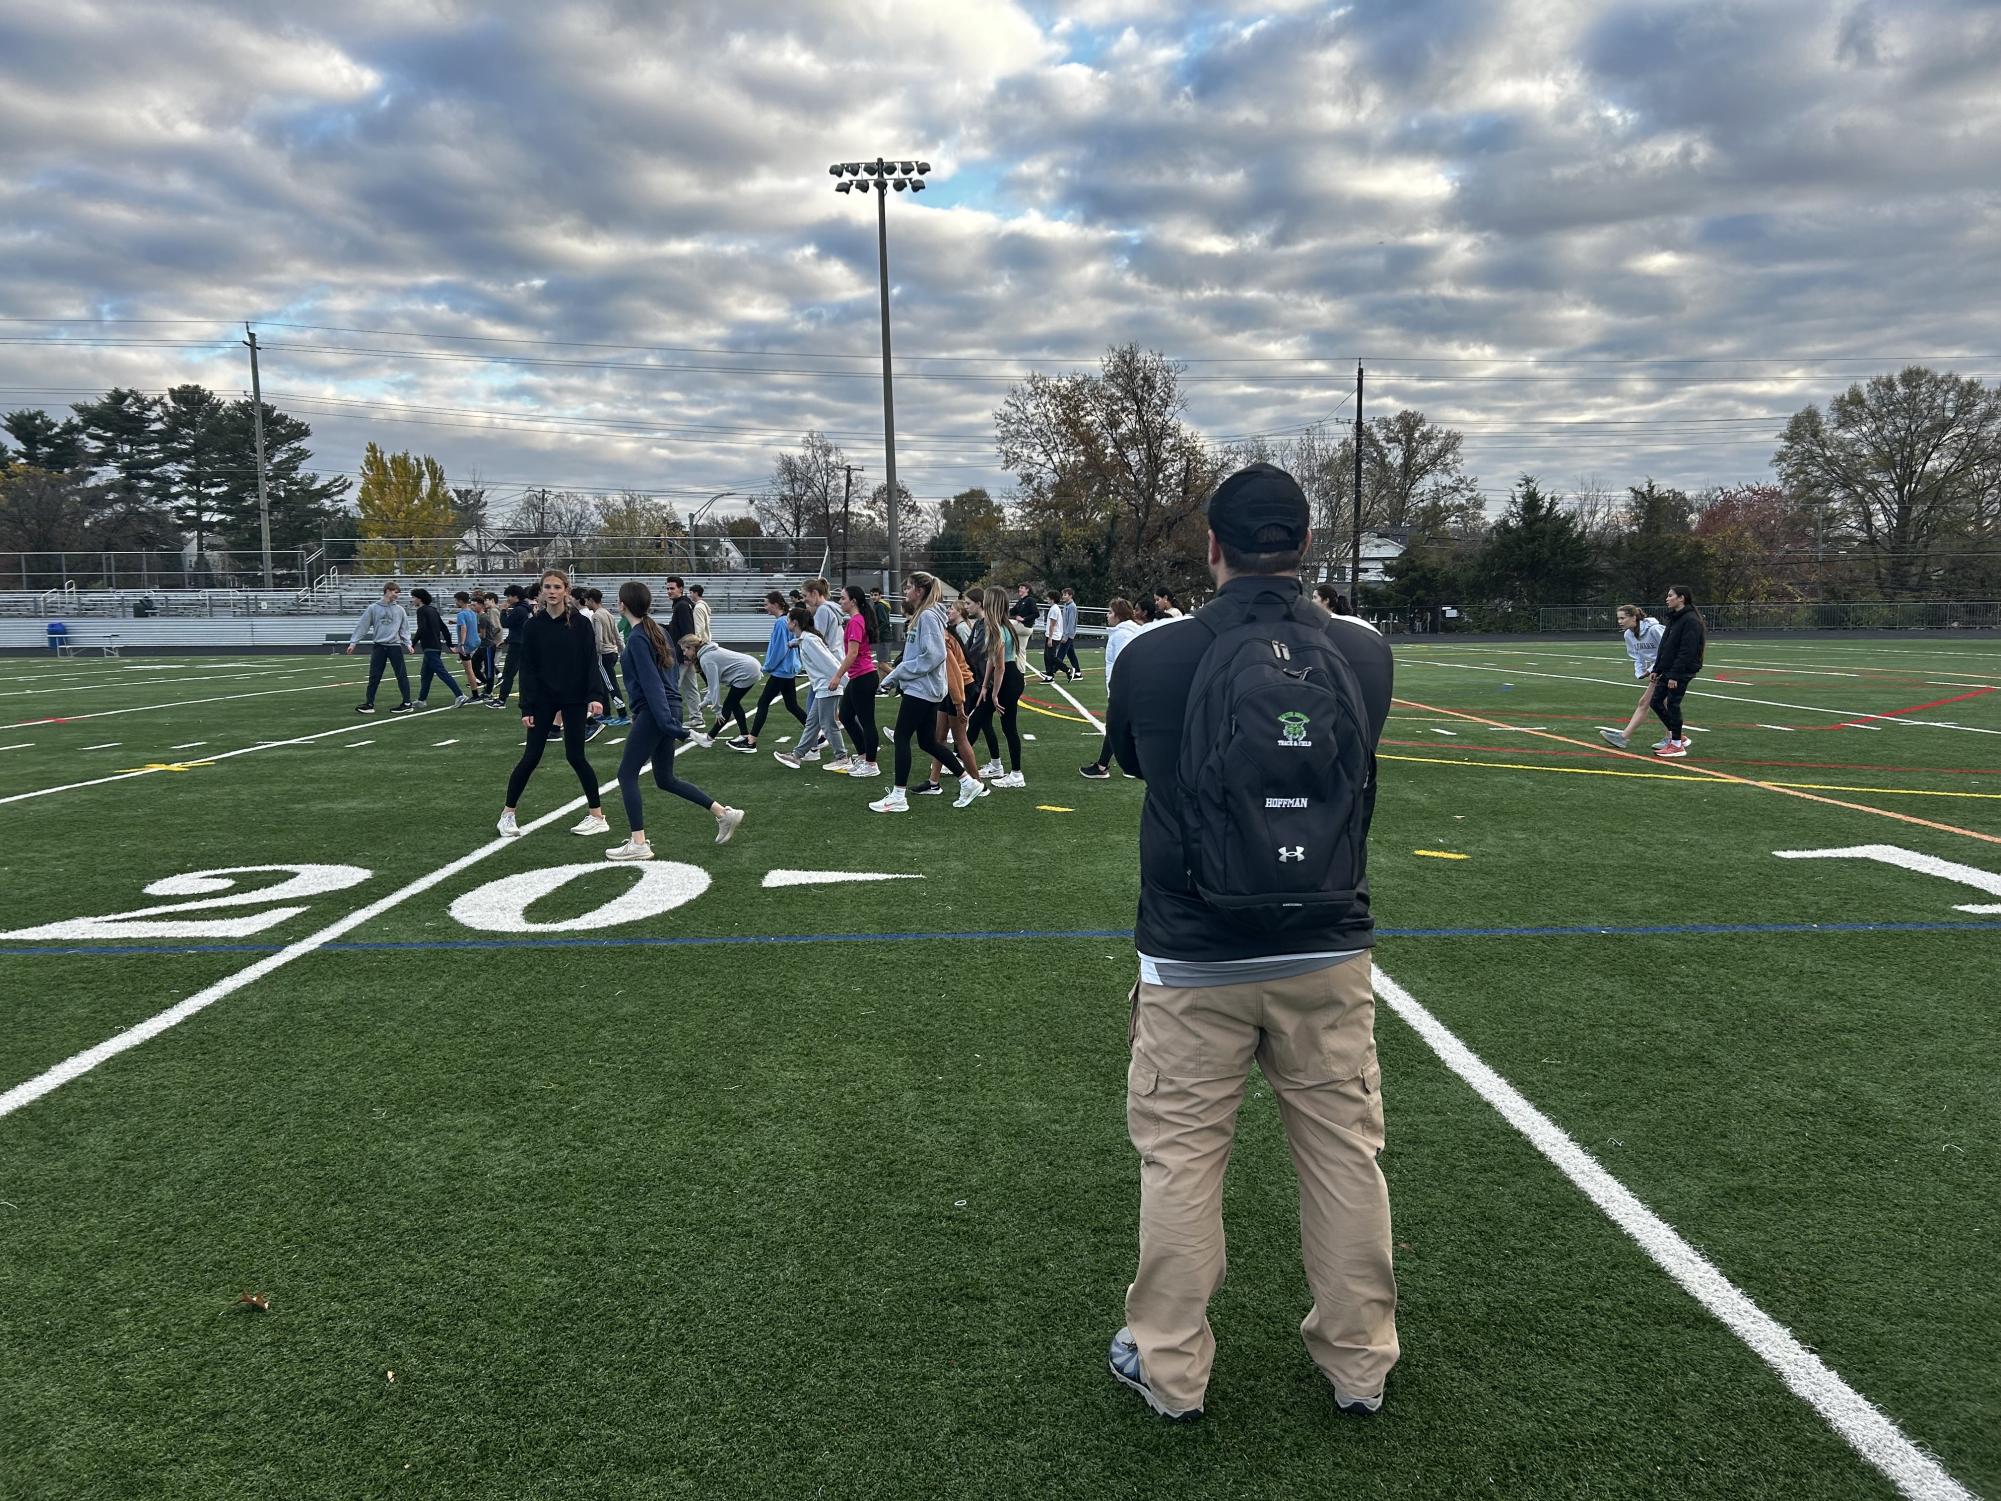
(1296, 852)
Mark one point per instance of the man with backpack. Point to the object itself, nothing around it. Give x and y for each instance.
(1255, 734)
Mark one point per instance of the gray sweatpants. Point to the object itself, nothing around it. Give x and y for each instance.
(823, 726)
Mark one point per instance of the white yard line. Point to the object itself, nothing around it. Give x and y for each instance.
(444, 742)
(79, 1064)
(1096, 723)
(358, 744)
(19, 745)
(1737, 698)
(1859, 1421)
(179, 703)
(216, 677)
(346, 729)
(189, 744)
(108, 745)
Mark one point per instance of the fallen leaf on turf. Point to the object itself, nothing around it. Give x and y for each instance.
(259, 1301)
(392, 1376)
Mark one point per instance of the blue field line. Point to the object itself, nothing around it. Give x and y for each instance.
(641, 941)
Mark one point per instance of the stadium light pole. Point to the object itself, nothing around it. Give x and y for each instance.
(879, 176)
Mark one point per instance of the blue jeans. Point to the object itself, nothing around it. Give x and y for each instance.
(434, 667)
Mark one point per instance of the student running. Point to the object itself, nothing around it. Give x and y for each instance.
(921, 677)
(859, 681)
(559, 684)
(656, 717)
(1000, 686)
(1642, 634)
(781, 666)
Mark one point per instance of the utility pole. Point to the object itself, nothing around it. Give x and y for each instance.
(1355, 556)
(257, 427)
(849, 471)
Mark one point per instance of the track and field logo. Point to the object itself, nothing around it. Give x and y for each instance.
(1292, 729)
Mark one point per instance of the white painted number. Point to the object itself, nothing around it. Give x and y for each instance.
(502, 906)
(1903, 859)
(166, 921)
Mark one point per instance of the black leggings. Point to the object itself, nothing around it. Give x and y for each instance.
(774, 688)
(506, 674)
(858, 714)
(917, 719)
(608, 670)
(1667, 704)
(573, 749)
(982, 721)
(648, 741)
(733, 709)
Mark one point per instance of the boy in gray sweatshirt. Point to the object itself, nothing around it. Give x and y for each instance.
(386, 626)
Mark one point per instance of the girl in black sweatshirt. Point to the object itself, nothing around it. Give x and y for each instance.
(558, 659)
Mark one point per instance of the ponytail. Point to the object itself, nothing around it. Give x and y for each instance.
(638, 599)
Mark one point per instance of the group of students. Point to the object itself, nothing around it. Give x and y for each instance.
(959, 682)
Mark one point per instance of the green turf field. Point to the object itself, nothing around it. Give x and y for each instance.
(824, 1190)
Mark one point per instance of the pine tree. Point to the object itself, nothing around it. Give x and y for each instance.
(195, 453)
(303, 503)
(121, 440)
(1536, 554)
(44, 442)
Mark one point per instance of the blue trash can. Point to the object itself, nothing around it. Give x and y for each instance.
(58, 635)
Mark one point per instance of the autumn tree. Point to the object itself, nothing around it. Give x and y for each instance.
(406, 513)
(1759, 544)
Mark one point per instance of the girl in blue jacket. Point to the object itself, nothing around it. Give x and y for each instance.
(655, 701)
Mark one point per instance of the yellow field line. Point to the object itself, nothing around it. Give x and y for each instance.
(1664, 776)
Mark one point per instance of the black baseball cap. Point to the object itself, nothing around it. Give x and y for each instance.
(1260, 509)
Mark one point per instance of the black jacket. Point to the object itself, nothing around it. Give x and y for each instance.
(680, 621)
(1680, 656)
(514, 619)
(1156, 670)
(558, 659)
(1026, 611)
(431, 633)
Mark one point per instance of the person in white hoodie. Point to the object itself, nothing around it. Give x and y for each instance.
(723, 669)
(921, 678)
(1642, 634)
(820, 666)
(1125, 625)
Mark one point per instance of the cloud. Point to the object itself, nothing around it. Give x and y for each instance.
(1488, 202)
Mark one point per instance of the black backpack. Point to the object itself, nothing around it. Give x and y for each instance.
(1276, 767)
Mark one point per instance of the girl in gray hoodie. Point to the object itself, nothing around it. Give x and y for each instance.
(921, 677)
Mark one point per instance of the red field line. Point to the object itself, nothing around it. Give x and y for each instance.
(1937, 703)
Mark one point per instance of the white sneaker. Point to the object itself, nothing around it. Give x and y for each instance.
(811, 755)
(866, 769)
(593, 823)
(1012, 780)
(460, 702)
(786, 758)
(629, 851)
(841, 766)
(891, 802)
(992, 769)
(971, 790)
(726, 825)
(509, 829)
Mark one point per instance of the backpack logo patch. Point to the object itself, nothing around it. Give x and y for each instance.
(1292, 729)
(1293, 852)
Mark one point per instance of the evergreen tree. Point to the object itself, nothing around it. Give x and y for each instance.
(194, 445)
(1536, 554)
(44, 442)
(303, 504)
(121, 441)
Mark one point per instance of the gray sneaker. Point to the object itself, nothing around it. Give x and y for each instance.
(1613, 738)
(1663, 743)
(1357, 1407)
(1123, 1362)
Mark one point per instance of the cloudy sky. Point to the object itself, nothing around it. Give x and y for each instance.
(595, 245)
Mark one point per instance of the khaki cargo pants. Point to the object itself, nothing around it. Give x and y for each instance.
(1313, 1037)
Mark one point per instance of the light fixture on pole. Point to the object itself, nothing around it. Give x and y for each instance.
(880, 175)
